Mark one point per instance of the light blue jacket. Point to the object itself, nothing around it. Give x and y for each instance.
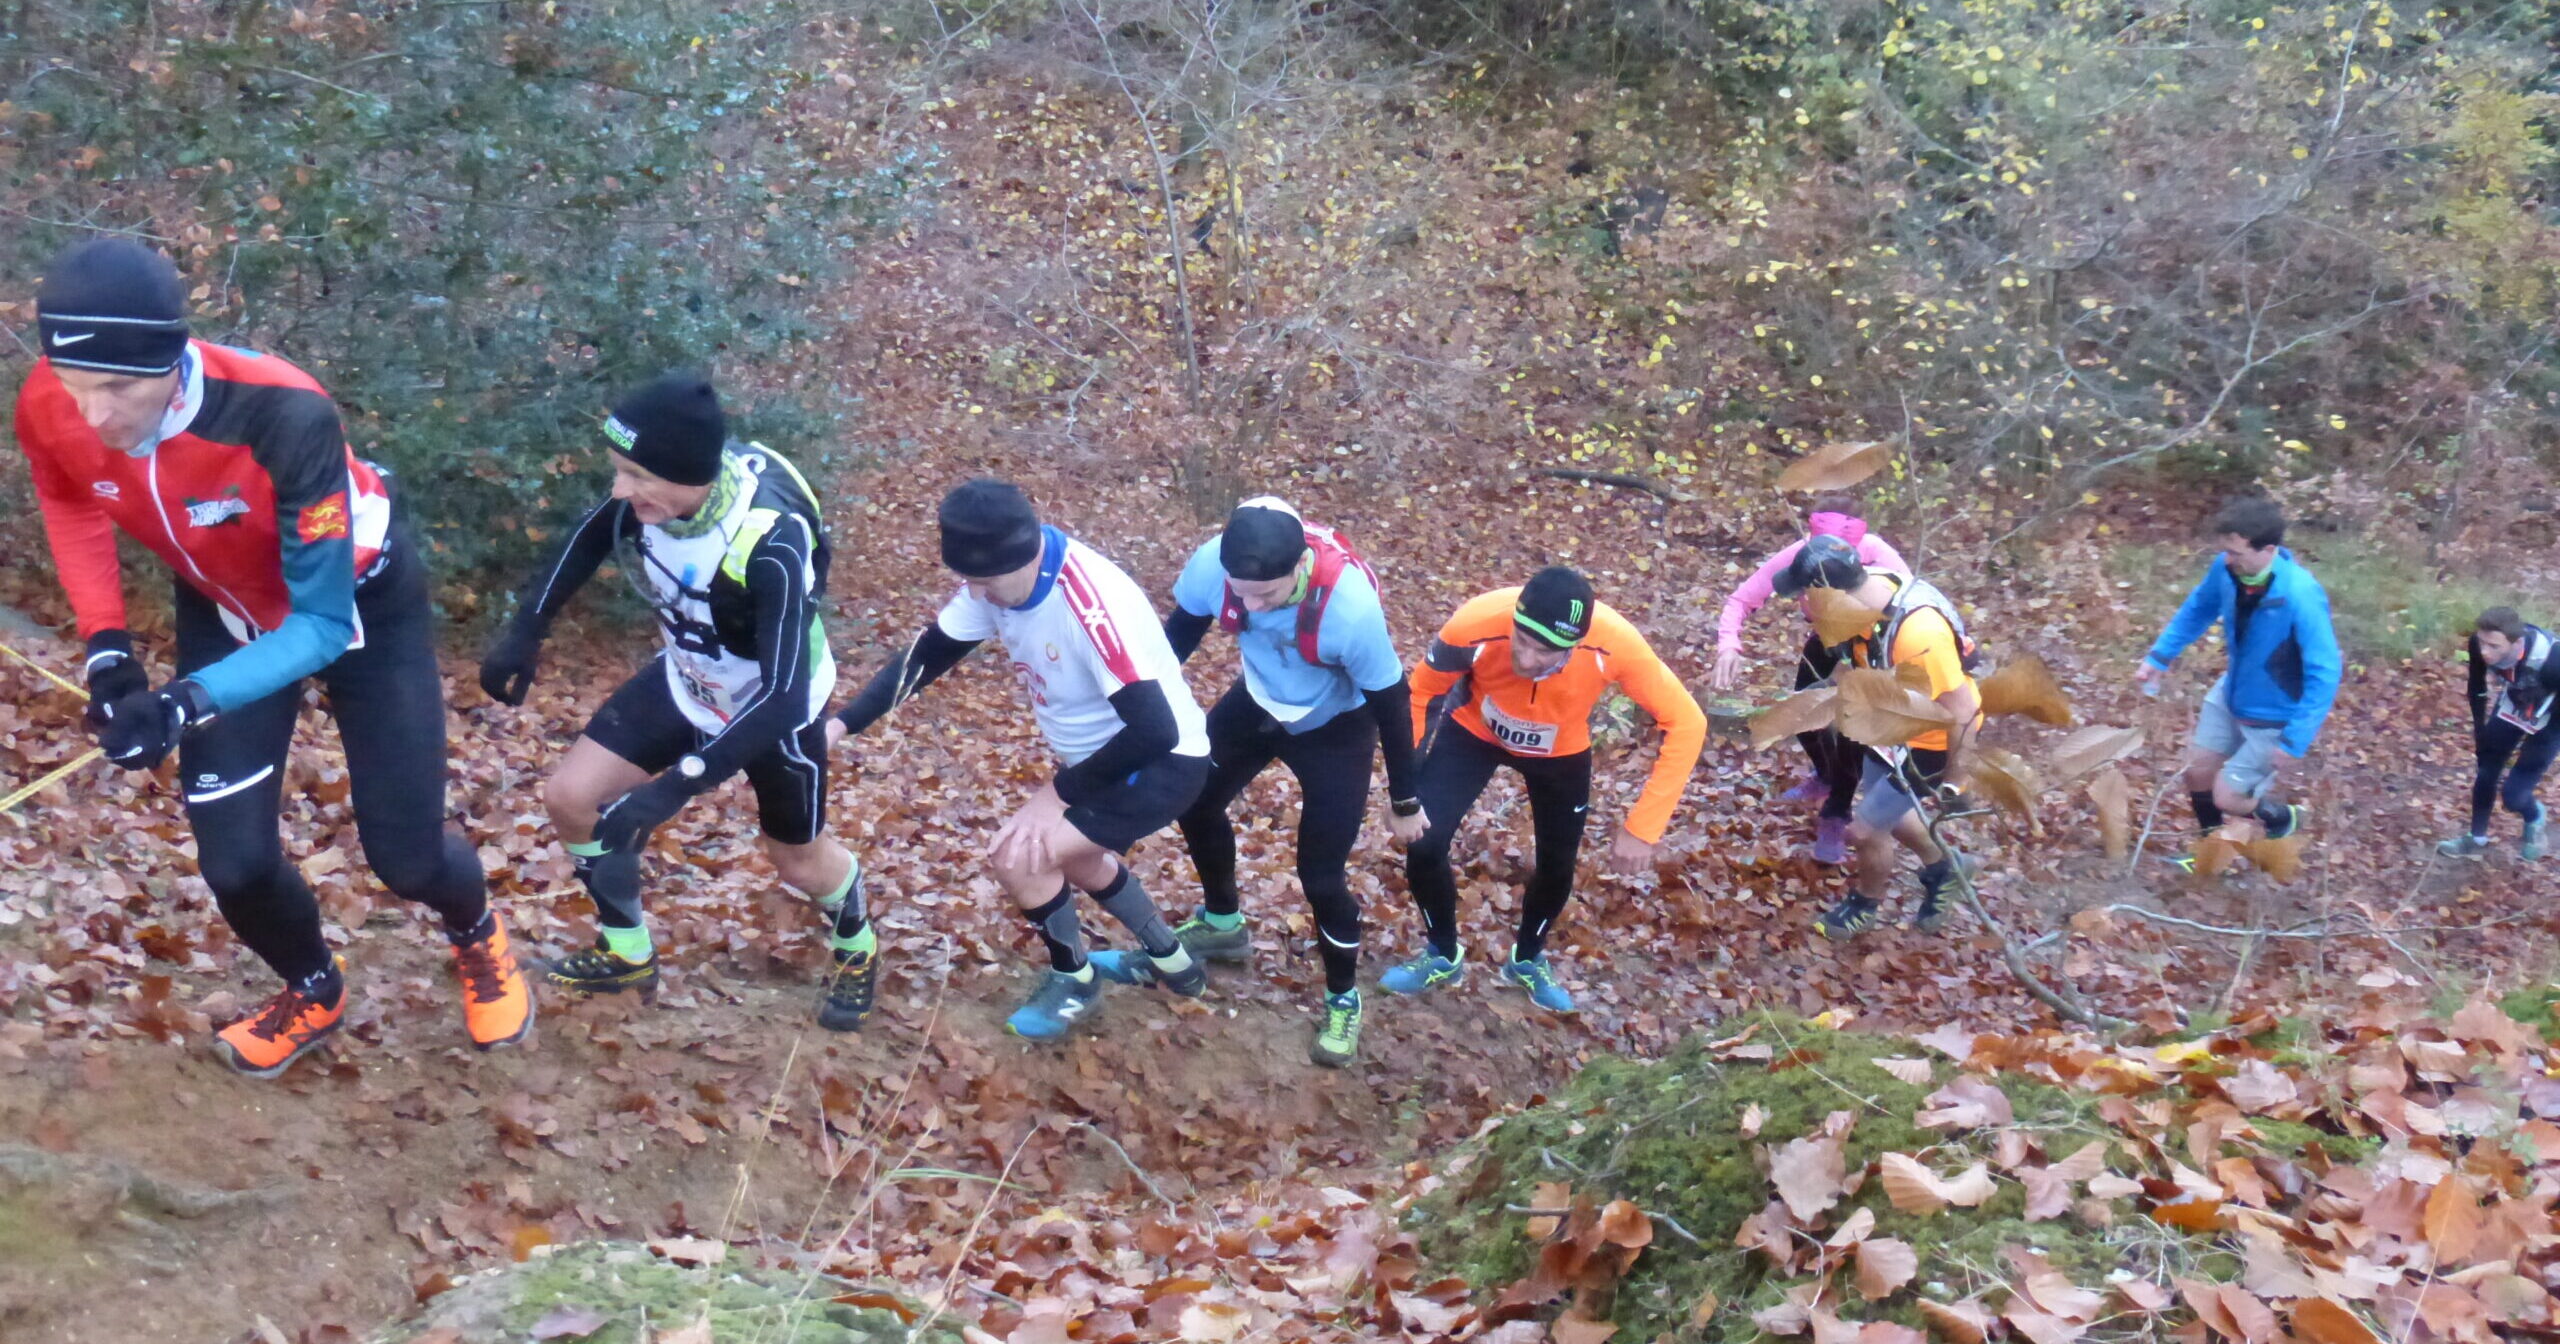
(2284, 659)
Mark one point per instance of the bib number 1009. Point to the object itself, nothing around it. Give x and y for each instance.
(1526, 739)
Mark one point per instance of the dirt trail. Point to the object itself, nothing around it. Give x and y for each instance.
(402, 1155)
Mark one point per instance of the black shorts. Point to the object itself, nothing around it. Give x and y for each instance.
(641, 724)
(1146, 802)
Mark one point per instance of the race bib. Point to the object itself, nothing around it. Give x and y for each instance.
(702, 684)
(1519, 736)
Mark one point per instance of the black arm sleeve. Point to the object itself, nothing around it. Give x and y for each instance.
(1147, 733)
(579, 558)
(1392, 706)
(1184, 631)
(2479, 685)
(777, 581)
(929, 655)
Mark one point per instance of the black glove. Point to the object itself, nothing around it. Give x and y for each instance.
(506, 672)
(628, 820)
(114, 673)
(143, 726)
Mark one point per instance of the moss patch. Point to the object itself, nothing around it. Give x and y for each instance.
(639, 1294)
(1668, 1136)
(29, 1233)
(2538, 1008)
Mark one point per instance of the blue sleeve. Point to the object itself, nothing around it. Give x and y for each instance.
(1355, 639)
(2321, 667)
(304, 452)
(1202, 587)
(2195, 616)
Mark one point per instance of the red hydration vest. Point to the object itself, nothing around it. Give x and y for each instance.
(1332, 554)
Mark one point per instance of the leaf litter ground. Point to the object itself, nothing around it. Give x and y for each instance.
(1183, 1170)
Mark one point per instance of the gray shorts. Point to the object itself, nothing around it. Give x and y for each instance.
(2248, 749)
(1883, 798)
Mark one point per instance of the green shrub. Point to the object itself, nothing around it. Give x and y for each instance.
(473, 223)
(2386, 605)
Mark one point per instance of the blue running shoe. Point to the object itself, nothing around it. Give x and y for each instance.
(1427, 971)
(1533, 976)
(1136, 968)
(1061, 1001)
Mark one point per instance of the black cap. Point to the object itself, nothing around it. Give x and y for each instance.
(672, 426)
(1555, 607)
(988, 529)
(1263, 540)
(113, 305)
(1825, 562)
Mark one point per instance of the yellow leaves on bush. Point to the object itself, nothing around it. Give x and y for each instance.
(2215, 854)
(1836, 466)
(2279, 859)
(2007, 781)
(1838, 617)
(2087, 749)
(1806, 711)
(2027, 687)
(1879, 711)
(2113, 794)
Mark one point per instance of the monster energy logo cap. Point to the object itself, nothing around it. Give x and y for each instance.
(1555, 607)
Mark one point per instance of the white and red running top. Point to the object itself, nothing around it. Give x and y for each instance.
(1086, 632)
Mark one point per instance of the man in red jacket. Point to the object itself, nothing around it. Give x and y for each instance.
(232, 467)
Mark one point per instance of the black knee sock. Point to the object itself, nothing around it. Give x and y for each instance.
(326, 985)
(2208, 812)
(474, 933)
(1058, 929)
(461, 892)
(1341, 959)
(2273, 815)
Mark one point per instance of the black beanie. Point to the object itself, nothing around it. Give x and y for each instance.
(673, 427)
(1825, 562)
(988, 529)
(113, 305)
(1555, 606)
(1263, 540)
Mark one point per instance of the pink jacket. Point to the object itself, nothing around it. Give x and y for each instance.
(1756, 591)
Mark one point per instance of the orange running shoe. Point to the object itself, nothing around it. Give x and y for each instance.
(268, 1041)
(497, 1002)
